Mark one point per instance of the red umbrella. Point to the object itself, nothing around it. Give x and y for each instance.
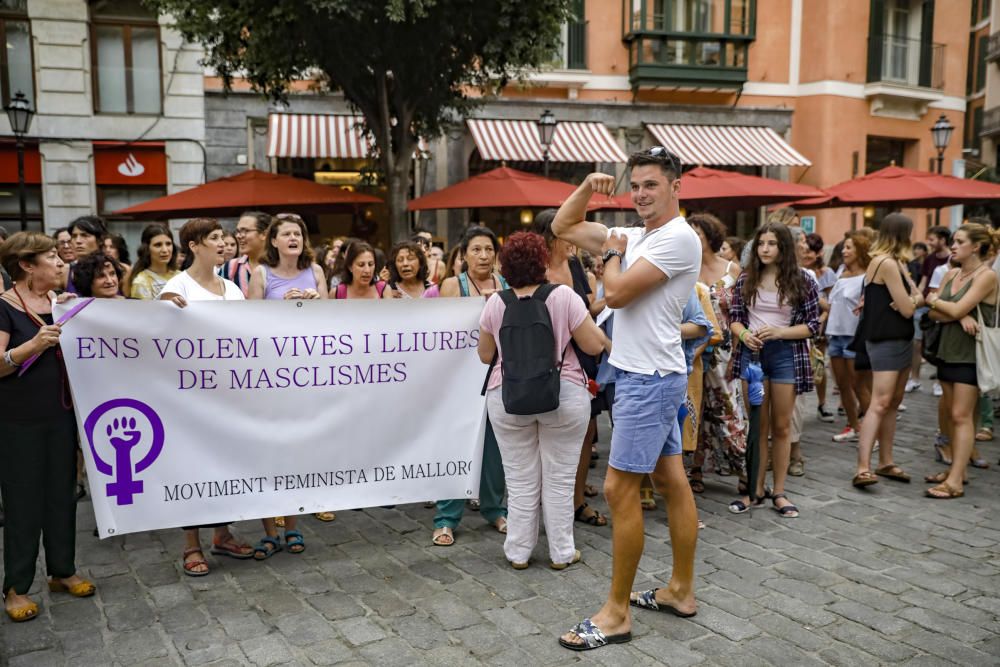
(253, 189)
(499, 188)
(905, 188)
(712, 188)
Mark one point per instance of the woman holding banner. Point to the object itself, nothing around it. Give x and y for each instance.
(203, 239)
(38, 453)
(359, 278)
(286, 271)
(479, 248)
(541, 452)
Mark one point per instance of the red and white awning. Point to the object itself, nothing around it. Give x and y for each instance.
(728, 145)
(315, 136)
(517, 141)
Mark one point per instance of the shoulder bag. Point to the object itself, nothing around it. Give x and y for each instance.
(988, 350)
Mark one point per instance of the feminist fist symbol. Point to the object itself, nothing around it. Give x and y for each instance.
(124, 436)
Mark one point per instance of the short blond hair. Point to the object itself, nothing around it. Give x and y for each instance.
(23, 247)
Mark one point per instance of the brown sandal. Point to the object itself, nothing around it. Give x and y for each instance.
(863, 479)
(893, 471)
(944, 491)
(189, 565)
(940, 478)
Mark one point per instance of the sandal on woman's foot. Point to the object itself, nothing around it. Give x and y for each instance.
(595, 519)
(591, 637)
(982, 464)
(25, 612)
(294, 542)
(190, 565)
(788, 511)
(940, 478)
(944, 491)
(562, 566)
(81, 589)
(501, 525)
(267, 547)
(893, 471)
(863, 479)
(939, 455)
(647, 500)
(984, 434)
(443, 537)
(589, 490)
(230, 547)
(325, 517)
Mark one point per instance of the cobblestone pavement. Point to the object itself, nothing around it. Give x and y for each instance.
(862, 578)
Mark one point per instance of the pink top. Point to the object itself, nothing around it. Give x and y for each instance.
(766, 311)
(567, 312)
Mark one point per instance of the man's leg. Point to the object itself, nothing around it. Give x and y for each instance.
(682, 516)
(622, 492)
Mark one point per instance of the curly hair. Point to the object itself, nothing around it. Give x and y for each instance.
(790, 280)
(711, 227)
(524, 258)
(89, 268)
(418, 252)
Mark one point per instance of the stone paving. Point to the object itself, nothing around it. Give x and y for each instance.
(862, 578)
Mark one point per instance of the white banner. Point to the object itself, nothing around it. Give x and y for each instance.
(225, 411)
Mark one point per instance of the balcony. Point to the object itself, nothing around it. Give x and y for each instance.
(690, 44)
(993, 48)
(904, 76)
(991, 123)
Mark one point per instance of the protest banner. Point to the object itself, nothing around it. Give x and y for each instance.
(225, 411)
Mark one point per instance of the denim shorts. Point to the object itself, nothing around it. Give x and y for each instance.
(918, 334)
(776, 360)
(838, 347)
(646, 427)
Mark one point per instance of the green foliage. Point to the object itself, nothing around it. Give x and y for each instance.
(405, 64)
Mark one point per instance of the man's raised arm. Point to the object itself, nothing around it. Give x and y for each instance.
(570, 222)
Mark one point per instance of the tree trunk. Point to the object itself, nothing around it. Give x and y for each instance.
(397, 185)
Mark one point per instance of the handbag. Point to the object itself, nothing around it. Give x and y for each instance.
(932, 339)
(988, 350)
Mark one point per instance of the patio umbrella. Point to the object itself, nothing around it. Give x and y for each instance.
(252, 189)
(499, 188)
(702, 187)
(904, 188)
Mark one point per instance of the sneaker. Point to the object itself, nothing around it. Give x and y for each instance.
(823, 414)
(797, 468)
(901, 408)
(847, 435)
(841, 412)
(937, 391)
(912, 385)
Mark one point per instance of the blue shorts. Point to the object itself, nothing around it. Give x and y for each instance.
(918, 334)
(646, 427)
(776, 360)
(838, 347)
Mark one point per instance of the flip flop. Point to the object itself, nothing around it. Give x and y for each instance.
(647, 600)
(946, 491)
(893, 471)
(592, 637)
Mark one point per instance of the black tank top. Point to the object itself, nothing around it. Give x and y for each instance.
(882, 321)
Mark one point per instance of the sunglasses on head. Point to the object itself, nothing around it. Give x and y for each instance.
(293, 217)
(663, 154)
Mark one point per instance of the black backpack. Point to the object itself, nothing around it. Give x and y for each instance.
(530, 370)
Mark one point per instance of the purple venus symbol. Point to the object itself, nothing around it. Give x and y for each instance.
(123, 436)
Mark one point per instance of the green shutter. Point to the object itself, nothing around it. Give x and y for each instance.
(927, 45)
(876, 35)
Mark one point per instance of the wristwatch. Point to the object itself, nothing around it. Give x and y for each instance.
(612, 253)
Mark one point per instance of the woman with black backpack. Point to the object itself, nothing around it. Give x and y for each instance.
(537, 396)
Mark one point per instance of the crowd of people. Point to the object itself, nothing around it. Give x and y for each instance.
(657, 324)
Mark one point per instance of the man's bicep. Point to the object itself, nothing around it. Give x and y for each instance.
(589, 236)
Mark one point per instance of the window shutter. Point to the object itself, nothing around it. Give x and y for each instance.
(927, 44)
(876, 39)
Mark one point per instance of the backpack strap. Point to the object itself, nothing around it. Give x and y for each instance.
(341, 291)
(543, 291)
(507, 296)
(463, 284)
(380, 287)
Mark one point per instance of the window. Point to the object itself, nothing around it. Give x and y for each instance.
(981, 46)
(881, 152)
(16, 71)
(125, 54)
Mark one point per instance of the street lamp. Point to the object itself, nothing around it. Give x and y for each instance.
(19, 114)
(546, 131)
(941, 134)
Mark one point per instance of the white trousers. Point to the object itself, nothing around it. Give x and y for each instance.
(540, 454)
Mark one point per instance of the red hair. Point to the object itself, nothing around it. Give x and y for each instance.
(524, 258)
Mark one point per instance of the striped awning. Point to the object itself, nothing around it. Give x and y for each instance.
(315, 136)
(728, 145)
(517, 141)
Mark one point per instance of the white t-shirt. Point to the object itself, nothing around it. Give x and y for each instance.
(844, 298)
(938, 276)
(189, 288)
(648, 330)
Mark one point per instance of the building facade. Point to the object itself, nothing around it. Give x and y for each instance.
(119, 110)
(814, 91)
